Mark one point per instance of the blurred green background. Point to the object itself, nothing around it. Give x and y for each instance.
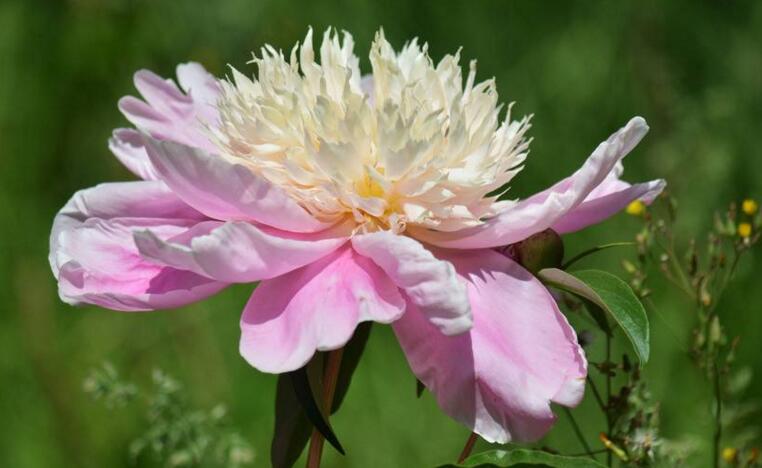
(692, 69)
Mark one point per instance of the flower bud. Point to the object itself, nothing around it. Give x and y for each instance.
(730, 454)
(542, 250)
(749, 206)
(636, 208)
(744, 230)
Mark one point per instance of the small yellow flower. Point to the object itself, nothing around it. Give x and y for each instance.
(744, 230)
(636, 208)
(729, 454)
(749, 206)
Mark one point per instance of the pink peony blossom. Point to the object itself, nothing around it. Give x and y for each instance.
(348, 199)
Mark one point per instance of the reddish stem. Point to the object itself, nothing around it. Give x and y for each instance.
(330, 377)
(468, 447)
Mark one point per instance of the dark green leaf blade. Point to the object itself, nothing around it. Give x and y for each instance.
(523, 458)
(613, 296)
(419, 388)
(292, 425)
(304, 393)
(349, 361)
(292, 428)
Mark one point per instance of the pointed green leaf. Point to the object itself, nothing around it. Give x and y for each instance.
(610, 294)
(349, 361)
(292, 425)
(523, 458)
(292, 428)
(308, 394)
(419, 388)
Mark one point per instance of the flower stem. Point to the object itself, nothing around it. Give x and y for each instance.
(578, 433)
(609, 459)
(593, 250)
(717, 417)
(468, 447)
(597, 395)
(330, 376)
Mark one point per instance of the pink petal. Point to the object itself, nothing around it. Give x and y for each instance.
(240, 252)
(609, 199)
(225, 190)
(202, 87)
(127, 146)
(169, 114)
(431, 284)
(316, 307)
(543, 210)
(500, 377)
(95, 260)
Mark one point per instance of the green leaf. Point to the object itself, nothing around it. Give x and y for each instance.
(308, 393)
(292, 428)
(610, 294)
(292, 424)
(349, 361)
(419, 388)
(523, 458)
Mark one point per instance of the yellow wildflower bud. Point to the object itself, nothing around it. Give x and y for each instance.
(621, 454)
(729, 454)
(749, 206)
(636, 208)
(744, 230)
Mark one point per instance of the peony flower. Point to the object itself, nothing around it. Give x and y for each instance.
(348, 199)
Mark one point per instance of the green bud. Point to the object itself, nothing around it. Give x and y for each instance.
(542, 250)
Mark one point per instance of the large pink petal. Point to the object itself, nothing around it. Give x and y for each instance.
(95, 260)
(608, 199)
(430, 283)
(500, 377)
(127, 145)
(169, 114)
(240, 252)
(202, 87)
(225, 190)
(316, 307)
(541, 211)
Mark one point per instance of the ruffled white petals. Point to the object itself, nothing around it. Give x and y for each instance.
(519, 220)
(410, 144)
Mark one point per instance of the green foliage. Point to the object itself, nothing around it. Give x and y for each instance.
(523, 458)
(176, 434)
(611, 295)
(299, 399)
(582, 68)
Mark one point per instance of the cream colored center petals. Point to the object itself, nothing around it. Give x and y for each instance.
(410, 144)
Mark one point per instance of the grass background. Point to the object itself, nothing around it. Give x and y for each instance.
(692, 69)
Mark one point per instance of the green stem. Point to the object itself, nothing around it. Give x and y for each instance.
(717, 416)
(578, 433)
(593, 250)
(609, 458)
(597, 394)
(593, 452)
